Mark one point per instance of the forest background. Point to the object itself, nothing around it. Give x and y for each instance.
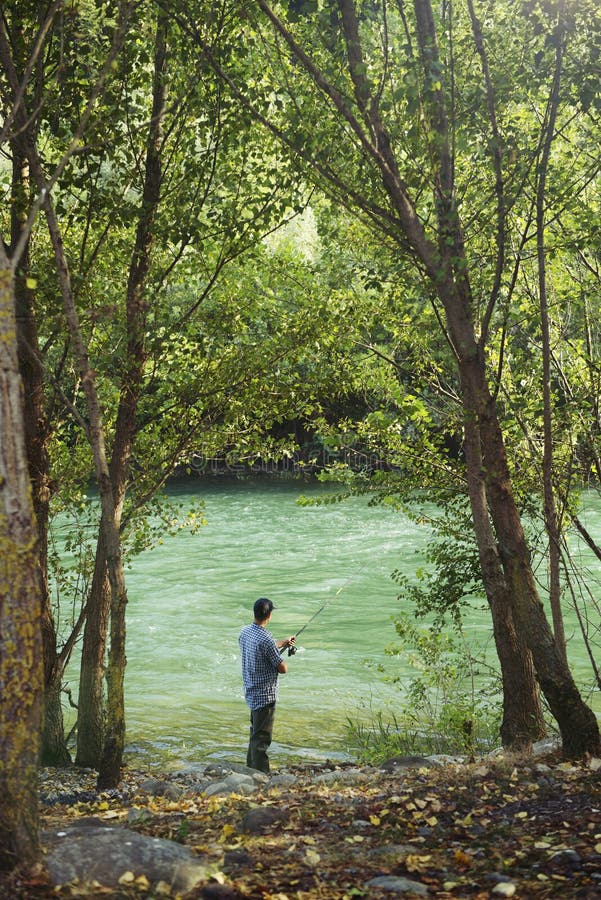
(245, 230)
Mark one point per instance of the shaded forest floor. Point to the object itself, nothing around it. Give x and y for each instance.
(502, 827)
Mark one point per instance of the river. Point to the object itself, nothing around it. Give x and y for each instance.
(190, 596)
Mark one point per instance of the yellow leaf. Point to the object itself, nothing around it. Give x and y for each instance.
(541, 845)
(127, 878)
(416, 863)
(375, 820)
(432, 821)
(30, 282)
(312, 857)
(142, 882)
(226, 832)
(597, 848)
(103, 805)
(462, 859)
(521, 815)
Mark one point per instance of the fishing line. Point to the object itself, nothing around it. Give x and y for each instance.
(292, 649)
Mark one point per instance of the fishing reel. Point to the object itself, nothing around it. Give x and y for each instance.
(291, 649)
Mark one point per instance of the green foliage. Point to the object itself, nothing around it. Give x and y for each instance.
(449, 705)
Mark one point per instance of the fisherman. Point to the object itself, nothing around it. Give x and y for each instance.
(262, 663)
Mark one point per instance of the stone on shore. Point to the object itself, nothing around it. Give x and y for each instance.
(109, 855)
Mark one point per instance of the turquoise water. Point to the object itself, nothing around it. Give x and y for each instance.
(190, 596)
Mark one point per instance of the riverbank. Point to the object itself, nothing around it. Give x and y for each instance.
(496, 827)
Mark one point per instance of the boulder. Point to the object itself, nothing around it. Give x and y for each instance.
(262, 819)
(104, 854)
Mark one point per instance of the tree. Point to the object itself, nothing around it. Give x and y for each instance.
(20, 605)
(383, 113)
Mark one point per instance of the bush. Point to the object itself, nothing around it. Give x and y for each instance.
(450, 705)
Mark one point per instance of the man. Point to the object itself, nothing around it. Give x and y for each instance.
(261, 665)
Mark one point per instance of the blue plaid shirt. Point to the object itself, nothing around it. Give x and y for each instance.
(260, 661)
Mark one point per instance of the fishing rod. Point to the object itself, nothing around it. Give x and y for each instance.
(291, 648)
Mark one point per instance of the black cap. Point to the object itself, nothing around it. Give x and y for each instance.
(262, 608)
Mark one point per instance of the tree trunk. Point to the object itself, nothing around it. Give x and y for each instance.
(91, 707)
(449, 271)
(54, 748)
(523, 719)
(126, 425)
(552, 522)
(577, 722)
(21, 668)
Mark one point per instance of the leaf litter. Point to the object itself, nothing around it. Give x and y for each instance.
(503, 827)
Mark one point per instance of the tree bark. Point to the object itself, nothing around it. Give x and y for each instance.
(91, 707)
(450, 267)
(54, 748)
(552, 523)
(523, 719)
(126, 425)
(577, 722)
(21, 665)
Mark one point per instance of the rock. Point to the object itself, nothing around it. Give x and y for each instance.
(105, 853)
(261, 819)
(283, 779)
(233, 784)
(393, 852)
(404, 762)
(504, 889)
(443, 759)
(216, 891)
(547, 745)
(397, 885)
(340, 775)
(155, 787)
(567, 856)
(237, 859)
(137, 816)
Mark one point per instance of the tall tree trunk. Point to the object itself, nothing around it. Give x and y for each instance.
(523, 719)
(126, 425)
(552, 523)
(577, 722)
(54, 748)
(21, 665)
(449, 270)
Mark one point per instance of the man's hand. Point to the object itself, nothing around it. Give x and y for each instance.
(287, 642)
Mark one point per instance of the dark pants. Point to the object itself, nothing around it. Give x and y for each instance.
(261, 730)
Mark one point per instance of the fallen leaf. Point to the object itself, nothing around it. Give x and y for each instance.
(416, 863)
(312, 857)
(462, 859)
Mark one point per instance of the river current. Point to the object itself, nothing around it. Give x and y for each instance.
(190, 596)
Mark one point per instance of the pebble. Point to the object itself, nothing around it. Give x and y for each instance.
(504, 889)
